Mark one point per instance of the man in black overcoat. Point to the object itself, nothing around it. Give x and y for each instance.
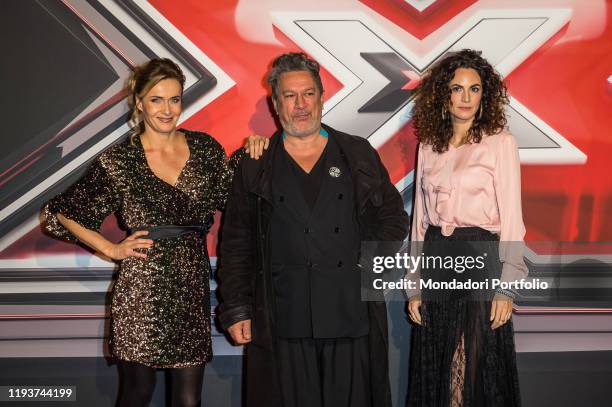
(292, 258)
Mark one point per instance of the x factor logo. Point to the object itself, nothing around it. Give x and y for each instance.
(379, 73)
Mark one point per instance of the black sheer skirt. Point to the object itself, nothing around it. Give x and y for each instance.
(456, 358)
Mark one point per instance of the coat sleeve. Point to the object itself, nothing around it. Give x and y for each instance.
(237, 266)
(385, 221)
(390, 217)
(87, 202)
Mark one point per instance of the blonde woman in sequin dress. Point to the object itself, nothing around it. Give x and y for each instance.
(467, 201)
(164, 184)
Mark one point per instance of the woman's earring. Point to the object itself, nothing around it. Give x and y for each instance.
(443, 114)
(480, 109)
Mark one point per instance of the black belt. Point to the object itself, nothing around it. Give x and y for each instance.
(469, 232)
(168, 231)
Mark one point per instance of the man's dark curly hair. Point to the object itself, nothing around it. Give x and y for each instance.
(432, 119)
(291, 62)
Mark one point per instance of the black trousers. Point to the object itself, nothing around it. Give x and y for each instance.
(324, 372)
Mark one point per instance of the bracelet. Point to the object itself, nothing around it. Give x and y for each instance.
(507, 293)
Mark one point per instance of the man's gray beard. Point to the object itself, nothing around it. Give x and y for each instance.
(290, 131)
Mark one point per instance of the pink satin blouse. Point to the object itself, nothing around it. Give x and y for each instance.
(475, 184)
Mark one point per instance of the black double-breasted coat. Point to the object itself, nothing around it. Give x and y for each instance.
(244, 270)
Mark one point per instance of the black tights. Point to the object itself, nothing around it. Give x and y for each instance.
(138, 383)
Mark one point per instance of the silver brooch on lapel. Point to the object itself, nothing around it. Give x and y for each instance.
(334, 172)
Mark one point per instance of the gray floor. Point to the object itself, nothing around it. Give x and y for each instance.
(567, 379)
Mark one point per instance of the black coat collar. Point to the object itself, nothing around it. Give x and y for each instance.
(359, 155)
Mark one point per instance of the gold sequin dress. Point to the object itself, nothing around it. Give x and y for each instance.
(160, 308)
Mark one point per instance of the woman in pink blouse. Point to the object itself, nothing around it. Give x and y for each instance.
(467, 204)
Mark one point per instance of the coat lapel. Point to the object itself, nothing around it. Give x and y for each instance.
(366, 177)
(286, 186)
(263, 180)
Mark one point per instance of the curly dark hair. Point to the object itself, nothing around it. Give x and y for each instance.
(432, 121)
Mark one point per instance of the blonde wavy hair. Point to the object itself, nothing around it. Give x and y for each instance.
(143, 78)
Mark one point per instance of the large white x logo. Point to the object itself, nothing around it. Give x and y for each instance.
(344, 42)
